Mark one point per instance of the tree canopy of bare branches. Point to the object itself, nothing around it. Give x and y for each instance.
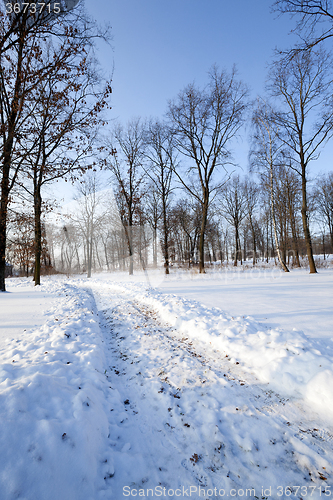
(303, 89)
(314, 20)
(204, 122)
(160, 156)
(267, 155)
(25, 38)
(125, 156)
(234, 208)
(324, 202)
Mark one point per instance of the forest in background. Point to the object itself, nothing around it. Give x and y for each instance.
(178, 196)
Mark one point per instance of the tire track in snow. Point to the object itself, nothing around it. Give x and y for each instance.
(184, 415)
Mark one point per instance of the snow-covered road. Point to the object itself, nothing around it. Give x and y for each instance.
(184, 416)
(125, 391)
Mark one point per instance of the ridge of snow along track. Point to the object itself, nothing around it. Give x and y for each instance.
(53, 409)
(292, 364)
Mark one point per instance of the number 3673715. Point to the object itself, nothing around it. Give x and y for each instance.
(32, 8)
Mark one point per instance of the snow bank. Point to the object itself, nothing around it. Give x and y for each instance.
(291, 363)
(52, 405)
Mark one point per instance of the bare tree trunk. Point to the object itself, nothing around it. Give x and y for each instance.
(97, 255)
(294, 236)
(254, 247)
(77, 257)
(282, 262)
(305, 222)
(38, 233)
(154, 247)
(166, 234)
(130, 248)
(236, 245)
(293, 229)
(6, 164)
(106, 257)
(3, 227)
(267, 241)
(295, 246)
(202, 233)
(89, 255)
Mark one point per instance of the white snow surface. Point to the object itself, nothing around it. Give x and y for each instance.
(272, 297)
(23, 311)
(53, 410)
(110, 389)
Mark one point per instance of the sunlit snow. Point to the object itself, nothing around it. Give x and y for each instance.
(111, 388)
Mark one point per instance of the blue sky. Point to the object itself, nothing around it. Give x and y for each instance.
(159, 46)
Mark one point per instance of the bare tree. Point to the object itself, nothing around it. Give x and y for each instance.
(20, 13)
(303, 87)
(185, 224)
(125, 158)
(234, 209)
(22, 40)
(252, 199)
(15, 66)
(266, 156)
(153, 212)
(204, 122)
(64, 114)
(291, 188)
(20, 237)
(323, 195)
(161, 163)
(65, 245)
(315, 19)
(90, 214)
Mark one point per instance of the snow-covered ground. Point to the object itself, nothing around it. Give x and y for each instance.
(23, 310)
(287, 300)
(204, 387)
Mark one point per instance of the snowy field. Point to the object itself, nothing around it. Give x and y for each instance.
(192, 386)
(287, 300)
